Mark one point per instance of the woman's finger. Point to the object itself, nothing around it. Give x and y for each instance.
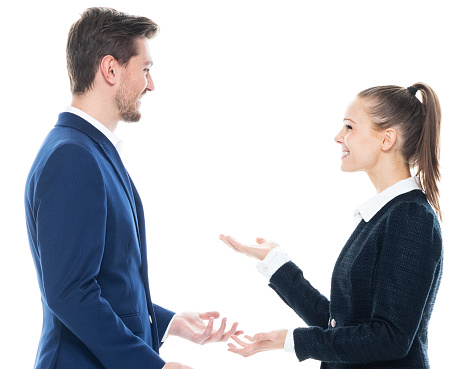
(240, 342)
(229, 243)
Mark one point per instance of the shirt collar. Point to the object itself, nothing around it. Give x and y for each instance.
(367, 210)
(111, 136)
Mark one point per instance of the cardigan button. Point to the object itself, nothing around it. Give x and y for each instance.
(333, 323)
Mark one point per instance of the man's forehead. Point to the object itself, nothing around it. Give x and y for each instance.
(144, 52)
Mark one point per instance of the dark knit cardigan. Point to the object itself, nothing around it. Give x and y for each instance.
(383, 290)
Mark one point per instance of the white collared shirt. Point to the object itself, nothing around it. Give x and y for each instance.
(111, 136)
(276, 258)
(371, 207)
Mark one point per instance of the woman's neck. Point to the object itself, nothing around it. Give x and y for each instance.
(388, 175)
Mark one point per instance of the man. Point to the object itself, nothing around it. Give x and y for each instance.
(85, 218)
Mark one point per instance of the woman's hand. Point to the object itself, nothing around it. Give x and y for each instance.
(259, 251)
(258, 343)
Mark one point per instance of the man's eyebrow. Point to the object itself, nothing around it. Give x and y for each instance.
(149, 63)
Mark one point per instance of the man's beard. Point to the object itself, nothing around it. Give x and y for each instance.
(128, 108)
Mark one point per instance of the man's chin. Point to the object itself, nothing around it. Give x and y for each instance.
(130, 117)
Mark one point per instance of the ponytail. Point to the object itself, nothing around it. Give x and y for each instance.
(419, 125)
(428, 147)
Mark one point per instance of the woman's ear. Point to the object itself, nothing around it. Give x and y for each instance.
(389, 138)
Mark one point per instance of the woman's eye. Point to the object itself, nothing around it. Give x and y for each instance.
(348, 126)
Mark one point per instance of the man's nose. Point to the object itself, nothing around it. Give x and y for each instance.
(150, 84)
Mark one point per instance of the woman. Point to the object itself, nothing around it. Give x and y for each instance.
(386, 278)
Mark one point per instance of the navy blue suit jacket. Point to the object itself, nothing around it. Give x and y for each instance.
(87, 237)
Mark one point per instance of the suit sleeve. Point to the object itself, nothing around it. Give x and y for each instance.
(405, 274)
(163, 318)
(289, 283)
(71, 223)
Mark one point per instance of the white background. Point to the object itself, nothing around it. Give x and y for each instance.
(238, 139)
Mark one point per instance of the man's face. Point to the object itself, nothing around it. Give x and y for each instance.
(135, 81)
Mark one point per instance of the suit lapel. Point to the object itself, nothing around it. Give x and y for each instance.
(114, 159)
(109, 151)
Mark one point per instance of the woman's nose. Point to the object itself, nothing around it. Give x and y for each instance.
(340, 136)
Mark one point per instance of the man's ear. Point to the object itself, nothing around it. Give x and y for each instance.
(389, 138)
(109, 68)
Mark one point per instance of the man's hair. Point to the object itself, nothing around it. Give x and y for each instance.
(100, 32)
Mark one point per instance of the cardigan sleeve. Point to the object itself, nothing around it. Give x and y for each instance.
(289, 283)
(406, 272)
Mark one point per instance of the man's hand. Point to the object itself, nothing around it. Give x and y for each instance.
(259, 251)
(176, 366)
(258, 343)
(191, 326)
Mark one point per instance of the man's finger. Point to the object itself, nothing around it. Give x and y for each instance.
(231, 332)
(208, 315)
(219, 333)
(208, 331)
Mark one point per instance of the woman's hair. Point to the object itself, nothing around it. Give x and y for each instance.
(418, 123)
(100, 32)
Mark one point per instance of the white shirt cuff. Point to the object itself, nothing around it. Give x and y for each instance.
(166, 334)
(289, 342)
(275, 259)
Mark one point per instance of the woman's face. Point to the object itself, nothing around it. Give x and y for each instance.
(360, 142)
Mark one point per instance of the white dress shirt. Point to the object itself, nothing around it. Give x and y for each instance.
(371, 207)
(276, 258)
(111, 136)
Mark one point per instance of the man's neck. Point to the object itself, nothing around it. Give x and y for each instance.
(98, 108)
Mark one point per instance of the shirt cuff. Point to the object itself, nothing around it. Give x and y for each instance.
(275, 259)
(289, 342)
(166, 334)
